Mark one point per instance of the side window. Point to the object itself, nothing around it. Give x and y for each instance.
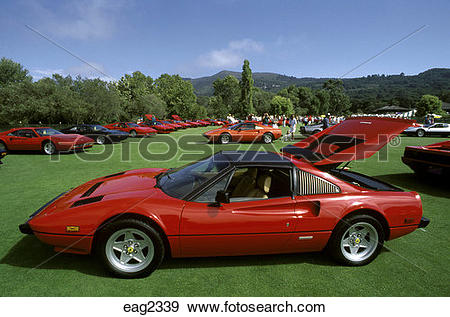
(25, 133)
(248, 126)
(209, 196)
(309, 184)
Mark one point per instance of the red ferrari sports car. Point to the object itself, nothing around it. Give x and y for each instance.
(44, 139)
(158, 126)
(243, 132)
(132, 128)
(433, 158)
(238, 203)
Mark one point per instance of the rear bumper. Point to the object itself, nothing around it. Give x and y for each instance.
(25, 228)
(424, 222)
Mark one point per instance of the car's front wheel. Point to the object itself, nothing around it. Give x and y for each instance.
(3, 146)
(49, 148)
(101, 139)
(357, 240)
(130, 248)
(225, 138)
(420, 133)
(133, 133)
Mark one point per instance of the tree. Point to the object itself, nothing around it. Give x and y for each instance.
(226, 91)
(12, 72)
(339, 101)
(428, 104)
(246, 90)
(177, 93)
(261, 100)
(135, 85)
(307, 102)
(281, 106)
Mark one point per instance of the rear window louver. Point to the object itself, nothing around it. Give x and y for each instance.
(113, 175)
(86, 201)
(91, 190)
(310, 184)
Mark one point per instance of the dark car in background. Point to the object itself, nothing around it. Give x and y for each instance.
(98, 133)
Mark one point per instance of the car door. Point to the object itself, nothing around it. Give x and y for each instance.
(318, 206)
(245, 225)
(22, 140)
(247, 132)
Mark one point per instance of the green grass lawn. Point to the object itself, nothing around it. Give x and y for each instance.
(414, 265)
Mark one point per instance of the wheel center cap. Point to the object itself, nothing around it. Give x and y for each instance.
(130, 249)
(357, 240)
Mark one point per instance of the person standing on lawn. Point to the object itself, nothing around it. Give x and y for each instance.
(326, 122)
(293, 126)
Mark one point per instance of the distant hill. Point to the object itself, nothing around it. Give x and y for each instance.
(433, 81)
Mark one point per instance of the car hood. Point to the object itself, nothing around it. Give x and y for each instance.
(353, 139)
(176, 117)
(129, 184)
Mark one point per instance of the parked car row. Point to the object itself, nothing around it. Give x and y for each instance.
(83, 136)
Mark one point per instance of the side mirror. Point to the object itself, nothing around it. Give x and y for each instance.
(222, 197)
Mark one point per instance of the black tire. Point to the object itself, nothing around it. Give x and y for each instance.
(3, 146)
(133, 133)
(341, 255)
(420, 133)
(316, 131)
(48, 148)
(224, 138)
(267, 138)
(101, 139)
(136, 225)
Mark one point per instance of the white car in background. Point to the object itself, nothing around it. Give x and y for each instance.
(313, 128)
(436, 129)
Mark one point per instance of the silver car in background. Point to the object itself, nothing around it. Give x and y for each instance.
(436, 129)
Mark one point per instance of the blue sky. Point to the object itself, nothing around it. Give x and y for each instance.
(201, 37)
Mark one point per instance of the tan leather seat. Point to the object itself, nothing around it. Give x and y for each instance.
(246, 183)
(262, 187)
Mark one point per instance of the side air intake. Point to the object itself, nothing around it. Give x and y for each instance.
(86, 201)
(113, 175)
(91, 190)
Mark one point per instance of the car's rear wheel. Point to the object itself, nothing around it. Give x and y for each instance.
(225, 138)
(357, 240)
(267, 138)
(49, 148)
(130, 248)
(133, 133)
(101, 139)
(420, 133)
(3, 146)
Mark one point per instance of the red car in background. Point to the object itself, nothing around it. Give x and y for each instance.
(193, 123)
(204, 123)
(175, 125)
(238, 203)
(183, 125)
(44, 139)
(243, 132)
(158, 126)
(132, 128)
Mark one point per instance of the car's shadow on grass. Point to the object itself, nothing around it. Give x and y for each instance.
(428, 184)
(31, 253)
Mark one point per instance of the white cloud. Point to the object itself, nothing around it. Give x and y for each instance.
(80, 19)
(230, 56)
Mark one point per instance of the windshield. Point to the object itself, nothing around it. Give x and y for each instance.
(47, 131)
(183, 180)
(98, 128)
(134, 125)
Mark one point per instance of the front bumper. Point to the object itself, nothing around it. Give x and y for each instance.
(424, 222)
